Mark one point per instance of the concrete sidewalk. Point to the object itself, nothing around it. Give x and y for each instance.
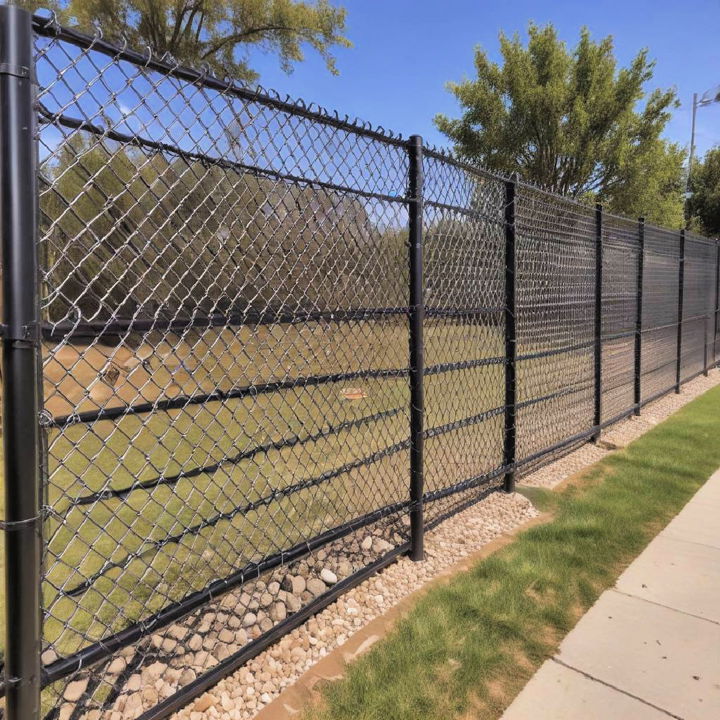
(649, 648)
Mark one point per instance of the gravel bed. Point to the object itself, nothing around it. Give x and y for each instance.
(241, 695)
(261, 680)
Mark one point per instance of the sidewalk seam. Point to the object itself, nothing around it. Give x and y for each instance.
(664, 534)
(667, 607)
(616, 689)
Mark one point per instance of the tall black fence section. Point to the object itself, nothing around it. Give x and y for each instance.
(253, 351)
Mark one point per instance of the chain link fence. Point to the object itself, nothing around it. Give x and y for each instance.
(257, 350)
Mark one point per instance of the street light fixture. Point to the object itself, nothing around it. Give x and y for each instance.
(707, 98)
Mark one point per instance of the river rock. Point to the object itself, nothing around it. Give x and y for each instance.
(316, 586)
(292, 603)
(186, 676)
(266, 600)
(294, 584)
(117, 666)
(328, 576)
(156, 670)
(380, 545)
(278, 611)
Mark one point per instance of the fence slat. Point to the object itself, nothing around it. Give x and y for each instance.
(638, 321)
(509, 454)
(681, 292)
(21, 369)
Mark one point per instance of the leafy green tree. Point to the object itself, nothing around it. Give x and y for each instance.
(704, 202)
(570, 122)
(214, 32)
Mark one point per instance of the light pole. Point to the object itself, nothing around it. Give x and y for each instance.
(707, 98)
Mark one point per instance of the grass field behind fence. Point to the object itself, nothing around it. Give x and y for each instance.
(104, 552)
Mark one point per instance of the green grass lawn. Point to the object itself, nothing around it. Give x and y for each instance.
(468, 647)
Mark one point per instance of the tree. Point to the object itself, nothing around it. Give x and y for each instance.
(127, 233)
(213, 32)
(704, 202)
(570, 122)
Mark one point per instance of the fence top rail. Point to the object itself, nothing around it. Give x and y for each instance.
(446, 156)
(584, 205)
(47, 26)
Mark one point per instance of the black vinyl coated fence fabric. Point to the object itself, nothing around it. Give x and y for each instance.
(271, 347)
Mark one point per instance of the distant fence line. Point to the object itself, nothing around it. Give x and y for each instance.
(253, 351)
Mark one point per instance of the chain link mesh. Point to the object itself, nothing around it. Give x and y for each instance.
(620, 248)
(464, 274)
(225, 329)
(660, 311)
(555, 314)
(225, 365)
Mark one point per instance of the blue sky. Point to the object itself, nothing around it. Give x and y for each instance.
(406, 50)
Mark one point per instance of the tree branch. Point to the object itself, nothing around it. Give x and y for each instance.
(240, 36)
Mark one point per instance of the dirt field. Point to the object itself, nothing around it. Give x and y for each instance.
(137, 523)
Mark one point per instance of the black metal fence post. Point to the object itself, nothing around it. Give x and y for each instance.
(597, 417)
(681, 289)
(706, 339)
(417, 349)
(20, 400)
(510, 338)
(638, 321)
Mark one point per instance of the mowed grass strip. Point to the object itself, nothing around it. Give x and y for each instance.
(468, 647)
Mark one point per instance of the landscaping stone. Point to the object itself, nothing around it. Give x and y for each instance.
(316, 586)
(328, 576)
(117, 666)
(294, 584)
(381, 546)
(49, 656)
